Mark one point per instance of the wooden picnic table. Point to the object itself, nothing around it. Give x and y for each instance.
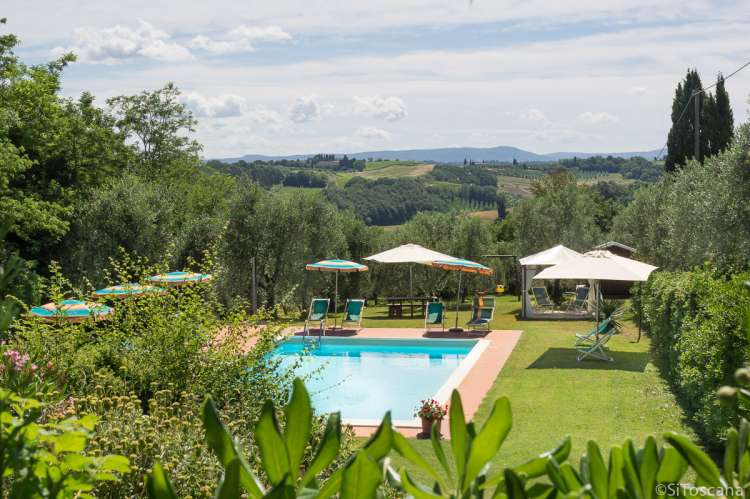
(396, 305)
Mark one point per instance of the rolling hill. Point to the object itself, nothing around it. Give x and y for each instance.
(457, 154)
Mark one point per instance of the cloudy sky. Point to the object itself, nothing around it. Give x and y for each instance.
(289, 76)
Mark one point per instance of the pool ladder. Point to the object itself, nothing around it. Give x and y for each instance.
(322, 330)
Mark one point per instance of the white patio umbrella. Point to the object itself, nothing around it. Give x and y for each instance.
(599, 265)
(409, 253)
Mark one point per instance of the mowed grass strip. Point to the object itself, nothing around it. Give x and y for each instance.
(552, 395)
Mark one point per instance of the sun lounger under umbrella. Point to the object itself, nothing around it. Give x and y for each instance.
(127, 289)
(71, 311)
(336, 266)
(179, 278)
(461, 266)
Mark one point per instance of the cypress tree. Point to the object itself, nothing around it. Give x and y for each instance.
(719, 119)
(680, 146)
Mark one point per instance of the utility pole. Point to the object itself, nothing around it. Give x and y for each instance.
(255, 289)
(697, 132)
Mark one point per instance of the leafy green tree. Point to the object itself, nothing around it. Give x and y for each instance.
(52, 152)
(562, 212)
(158, 122)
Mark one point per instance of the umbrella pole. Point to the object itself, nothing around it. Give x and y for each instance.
(336, 301)
(458, 299)
(411, 280)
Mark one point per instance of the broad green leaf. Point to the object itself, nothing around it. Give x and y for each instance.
(571, 478)
(730, 454)
(229, 487)
(327, 450)
(70, 441)
(75, 462)
(413, 489)
(649, 467)
(616, 478)
(298, 425)
(88, 421)
(537, 466)
(282, 490)
(488, 441)
(158, 484)
(361, 479)
(698, 460)
(380, 443)
(555, 476)
(121, 464)
(513, 485)
(597, 470)
(459, 435)
(671, 466)
(332, 485)
(437, 448)
(632, 480)
(403, 447)
(223, 445)
(271, 445)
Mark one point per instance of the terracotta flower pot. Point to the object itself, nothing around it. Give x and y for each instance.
(427, 425)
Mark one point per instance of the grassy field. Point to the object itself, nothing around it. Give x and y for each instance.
(394, 169)
(485, 215)
(377, 165)
(552, 395)
(521, 186)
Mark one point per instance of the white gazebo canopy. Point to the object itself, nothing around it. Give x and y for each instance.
(599, 265)
(551, 256)
(532, 264)
(409, 253)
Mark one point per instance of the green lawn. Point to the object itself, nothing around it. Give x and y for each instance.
(552, 395)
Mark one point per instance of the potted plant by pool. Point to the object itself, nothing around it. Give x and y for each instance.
(430, 411)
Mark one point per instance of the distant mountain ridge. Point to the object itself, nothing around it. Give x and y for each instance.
(457, 154)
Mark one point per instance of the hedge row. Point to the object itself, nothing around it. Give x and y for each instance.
(696, 321)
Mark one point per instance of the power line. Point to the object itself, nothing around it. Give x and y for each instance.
(701, 91)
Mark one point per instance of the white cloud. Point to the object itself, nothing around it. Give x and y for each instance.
(304, 110)
(115, 43)
(638, 90)
(534, 114)
(387, 108)
(222, 106)
(239, 39)
(371, 132)
(597, 117)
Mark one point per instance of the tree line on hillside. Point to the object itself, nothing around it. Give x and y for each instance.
(635, 168)
(464, 174)
(393, 201)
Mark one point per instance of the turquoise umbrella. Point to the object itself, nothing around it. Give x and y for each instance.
(128, 289)
(337, 266)
(71, 311)
(460, 265)
(179, 278)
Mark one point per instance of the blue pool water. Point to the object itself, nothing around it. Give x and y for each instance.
(363, 378)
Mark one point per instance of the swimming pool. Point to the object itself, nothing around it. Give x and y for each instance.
(365, 377)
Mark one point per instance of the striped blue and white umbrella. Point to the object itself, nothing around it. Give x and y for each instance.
(336, 266)
(71, 311)
(179, 278)
(127, 289)
(460, 265)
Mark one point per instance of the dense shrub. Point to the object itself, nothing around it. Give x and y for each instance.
(696, 323)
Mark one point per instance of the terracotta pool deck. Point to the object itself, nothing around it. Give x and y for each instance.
(474, 385)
